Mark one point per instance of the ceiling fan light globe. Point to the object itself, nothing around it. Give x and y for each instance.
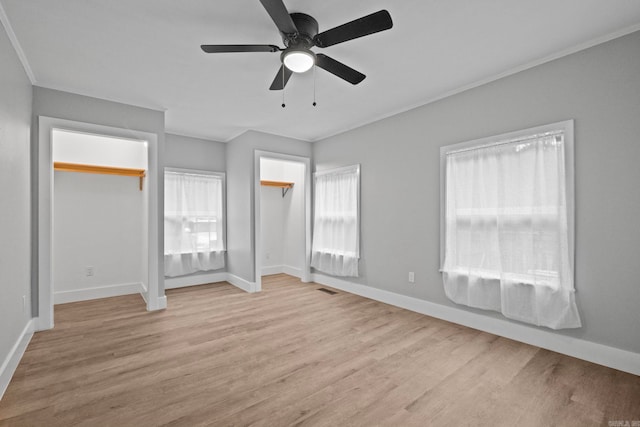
(299, 61)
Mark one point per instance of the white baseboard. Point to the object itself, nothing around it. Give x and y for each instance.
(199, 279)
(239, 282)
(12, 360)
(158, 303)
(292, 271)
(43, 324)
(153, 304)
(286, 269)
(587, 350)
(143, 293)
(273, 269)
(204, 279)
(62, 297)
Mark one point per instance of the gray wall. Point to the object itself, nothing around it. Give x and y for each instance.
(15, 122)
(69, 106)
(240, 194)
(600, 89)
(194, 153)
(98, 219)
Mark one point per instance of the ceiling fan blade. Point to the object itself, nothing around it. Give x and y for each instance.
(224, 48)
(281, 81)
(339, 69)
(280, 15)
(376, 22)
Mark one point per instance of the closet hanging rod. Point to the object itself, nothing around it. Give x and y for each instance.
(105, 170)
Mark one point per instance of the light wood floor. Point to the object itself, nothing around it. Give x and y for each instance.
(293, 355)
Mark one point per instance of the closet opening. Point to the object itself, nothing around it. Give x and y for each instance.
(99, 210)
(97, 216)
(282, 216)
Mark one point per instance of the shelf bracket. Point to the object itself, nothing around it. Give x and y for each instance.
(286, 186)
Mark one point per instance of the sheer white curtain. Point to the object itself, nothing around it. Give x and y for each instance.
(193, 223)
(506, 236)
(335, 248)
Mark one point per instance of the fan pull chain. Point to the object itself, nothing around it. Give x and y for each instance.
(283, 104)
(314, 85)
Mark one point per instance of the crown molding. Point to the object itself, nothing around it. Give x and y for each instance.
(16, 45)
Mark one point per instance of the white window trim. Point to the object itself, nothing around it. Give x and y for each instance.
(223, 177)
(566, 127)
(338, 170)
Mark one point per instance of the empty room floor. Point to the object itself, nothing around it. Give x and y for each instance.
(294, 355)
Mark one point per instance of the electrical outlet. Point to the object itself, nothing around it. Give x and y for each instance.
(412, 277)
(24, 303)
(89, 271)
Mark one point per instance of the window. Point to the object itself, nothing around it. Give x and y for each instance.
(508, 225)
(336, 226)
(193, 221)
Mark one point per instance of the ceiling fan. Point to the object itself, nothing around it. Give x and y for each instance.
(299, 33)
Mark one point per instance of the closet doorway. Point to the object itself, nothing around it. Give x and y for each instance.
(282, 217)
(99, 210)
(151, 285)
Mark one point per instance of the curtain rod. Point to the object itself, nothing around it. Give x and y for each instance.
(194, 172)
(189, 173)
(339, 170)
(509, 141)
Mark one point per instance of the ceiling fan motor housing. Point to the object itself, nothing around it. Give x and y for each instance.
(307, 29)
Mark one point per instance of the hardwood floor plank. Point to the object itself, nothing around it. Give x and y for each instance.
(292, 355)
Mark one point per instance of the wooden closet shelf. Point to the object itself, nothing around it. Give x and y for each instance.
(105, 170)
(281, 184)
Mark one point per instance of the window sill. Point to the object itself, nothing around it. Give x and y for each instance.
(191, 253)
(522, 279)
(342, 254)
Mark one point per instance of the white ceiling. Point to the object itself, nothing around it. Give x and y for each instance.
(146, 53)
